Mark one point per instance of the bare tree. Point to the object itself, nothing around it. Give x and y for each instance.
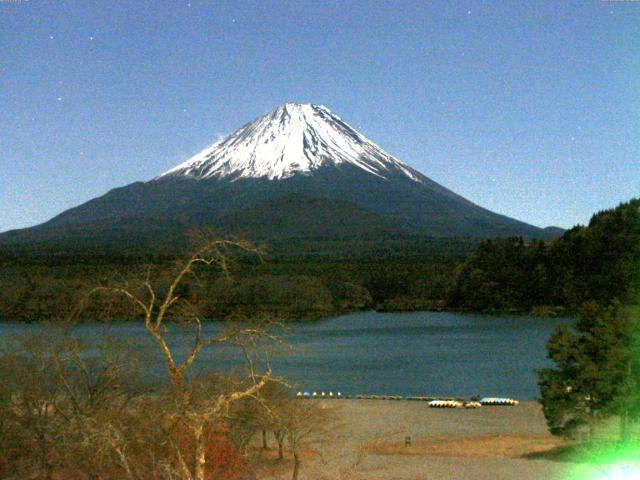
(60, 402)
(246, 418)
(302, 423)
(158, 307)
(101, 425)
(70, 414)
(275, 400)
(33, 394)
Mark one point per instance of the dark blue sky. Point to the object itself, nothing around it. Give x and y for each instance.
(528, 108)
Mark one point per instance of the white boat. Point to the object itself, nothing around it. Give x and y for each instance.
(445, 404)
(498, 401)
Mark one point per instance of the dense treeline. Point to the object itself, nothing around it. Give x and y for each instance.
(288, 286)
(598, 262)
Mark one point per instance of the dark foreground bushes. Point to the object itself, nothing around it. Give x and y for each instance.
(70, 412)
(76, 410)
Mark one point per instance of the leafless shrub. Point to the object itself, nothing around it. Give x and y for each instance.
(56, 396)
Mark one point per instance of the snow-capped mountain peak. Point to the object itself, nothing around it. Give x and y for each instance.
(292, 139)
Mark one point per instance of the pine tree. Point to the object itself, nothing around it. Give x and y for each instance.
(596, 373)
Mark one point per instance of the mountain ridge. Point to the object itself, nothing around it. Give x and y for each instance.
(296, 150)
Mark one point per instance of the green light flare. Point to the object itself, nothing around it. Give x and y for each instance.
(623, 471)
(610, 462)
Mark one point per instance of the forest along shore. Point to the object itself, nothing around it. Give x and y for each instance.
(548, 278)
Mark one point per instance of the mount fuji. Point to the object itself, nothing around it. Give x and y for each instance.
(298, 172)
(292, 139)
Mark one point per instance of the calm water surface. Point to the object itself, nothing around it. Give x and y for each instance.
(418, 353)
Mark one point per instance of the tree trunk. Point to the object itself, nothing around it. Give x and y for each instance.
(265, 446)
(279, 436)
(125, 463)
(200, 459)
(624, 425)
(46, 467)
(296, 465)
(48, 471)
(591, 420)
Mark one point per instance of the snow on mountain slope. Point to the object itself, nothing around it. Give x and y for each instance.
(294, 138)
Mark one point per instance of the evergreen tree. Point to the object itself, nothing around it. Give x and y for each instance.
(596, 373)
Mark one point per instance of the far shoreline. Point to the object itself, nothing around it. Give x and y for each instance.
(544, 313)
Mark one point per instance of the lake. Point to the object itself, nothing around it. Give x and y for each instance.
(417, 353)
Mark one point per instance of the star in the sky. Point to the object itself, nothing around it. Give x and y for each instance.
(50, 37)
(59, 99)
(91, 39)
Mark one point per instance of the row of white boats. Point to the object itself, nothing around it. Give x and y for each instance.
(473, 404)
(432, 402)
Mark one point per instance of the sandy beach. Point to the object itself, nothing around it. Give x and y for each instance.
(367, 441)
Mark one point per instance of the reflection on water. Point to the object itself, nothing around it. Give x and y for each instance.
(422, 353)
